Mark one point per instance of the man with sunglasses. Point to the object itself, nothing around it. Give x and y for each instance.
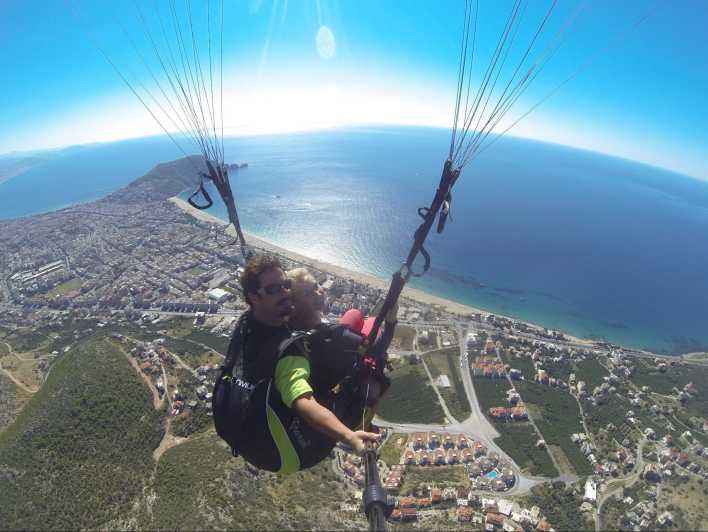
(251, 357)
(253, 400)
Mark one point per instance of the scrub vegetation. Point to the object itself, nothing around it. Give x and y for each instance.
(560, 505)
(64, 288)
(81, 449)
(23, 340)
(198, 485)
(411, 398)
(447, 362)
(590, 371)
(491, 392)
(403, 338)
(519, 441)
(392, 450)
(560, 418)
(80, 455)
(423, 476)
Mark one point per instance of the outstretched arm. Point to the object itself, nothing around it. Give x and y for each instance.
(291, 376)
(324, 421)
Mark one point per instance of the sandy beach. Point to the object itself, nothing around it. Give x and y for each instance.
(371, 280)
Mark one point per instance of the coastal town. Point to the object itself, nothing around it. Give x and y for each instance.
(490, 423)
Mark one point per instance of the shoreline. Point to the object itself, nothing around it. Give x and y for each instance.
(415, 294)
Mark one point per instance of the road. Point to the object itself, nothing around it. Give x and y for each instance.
(477, 421)
(221, 312)
(165, 383)
(619, 484)
(182, 363)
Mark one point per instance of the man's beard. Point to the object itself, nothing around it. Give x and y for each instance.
(285, 307)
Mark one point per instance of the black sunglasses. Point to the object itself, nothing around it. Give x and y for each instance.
(275, 288)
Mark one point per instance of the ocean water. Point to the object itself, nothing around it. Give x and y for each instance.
(593, 245)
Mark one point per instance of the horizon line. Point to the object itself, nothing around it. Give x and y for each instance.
(332, 127)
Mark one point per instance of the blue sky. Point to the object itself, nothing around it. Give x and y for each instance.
(375, 62)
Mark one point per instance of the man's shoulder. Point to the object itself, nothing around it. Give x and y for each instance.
(255, 337)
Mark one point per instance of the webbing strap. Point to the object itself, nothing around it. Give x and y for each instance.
(201, 190)
(294, 337)
(236, 356)
(441, 200)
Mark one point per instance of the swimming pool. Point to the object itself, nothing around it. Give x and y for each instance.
(491, 475)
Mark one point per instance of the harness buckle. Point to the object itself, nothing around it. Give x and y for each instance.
(370, 362)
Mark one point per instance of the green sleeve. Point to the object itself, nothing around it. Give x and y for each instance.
(291, 376)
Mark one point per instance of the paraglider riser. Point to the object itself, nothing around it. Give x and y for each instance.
(375, 501)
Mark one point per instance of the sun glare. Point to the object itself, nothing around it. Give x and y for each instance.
(326, 44)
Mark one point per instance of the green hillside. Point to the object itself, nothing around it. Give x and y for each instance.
(80, 452)
(199, 485)
(8, 401)
(79, 455)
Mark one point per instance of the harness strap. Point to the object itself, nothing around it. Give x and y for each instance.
(440, 201)
(294, 337)
(201, 190)
(236, 356)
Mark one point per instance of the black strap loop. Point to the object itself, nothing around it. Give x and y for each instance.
(201, 190)
(426, 266)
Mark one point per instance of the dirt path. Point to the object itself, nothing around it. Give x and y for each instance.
(28, 389)
(169, 440)
(165, 384)
(17, 355)
(157, 402)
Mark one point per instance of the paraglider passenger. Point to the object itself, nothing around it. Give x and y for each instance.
(302, 377)
(308, 299)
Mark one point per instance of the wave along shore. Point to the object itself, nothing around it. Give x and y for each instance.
(363, 278)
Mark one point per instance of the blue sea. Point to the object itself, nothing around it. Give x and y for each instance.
(592, 245)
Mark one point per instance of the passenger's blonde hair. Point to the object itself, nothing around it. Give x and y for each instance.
(300, 275)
